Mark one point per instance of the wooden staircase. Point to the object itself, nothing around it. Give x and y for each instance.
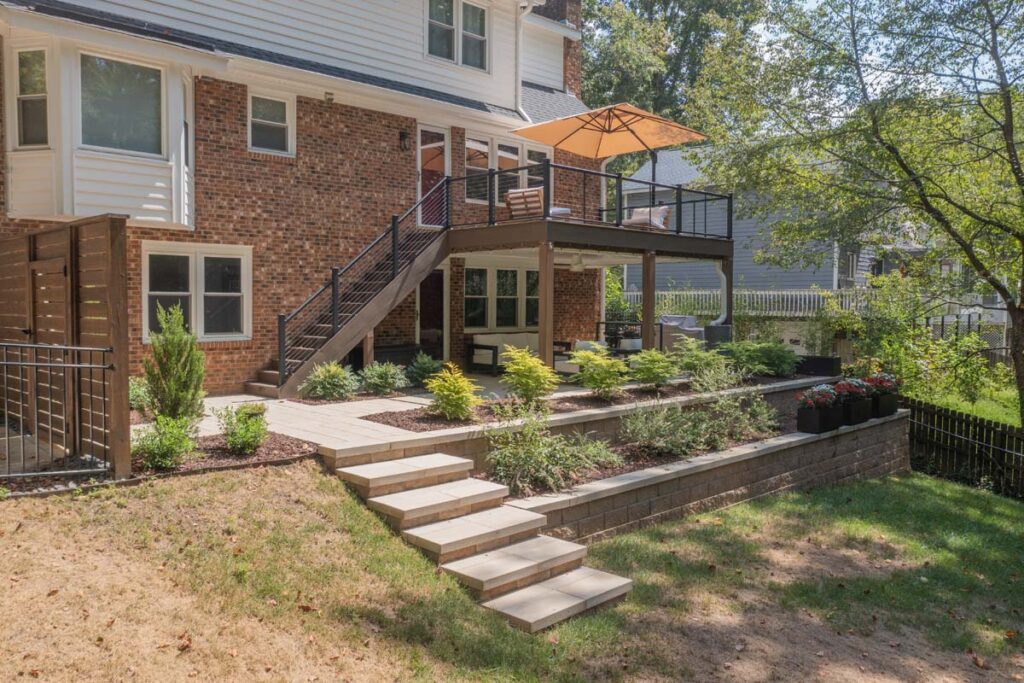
(357, 297)
(495, 550)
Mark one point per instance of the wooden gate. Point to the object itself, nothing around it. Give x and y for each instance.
(63, 335)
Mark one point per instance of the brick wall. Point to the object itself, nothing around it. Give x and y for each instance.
(577, 304)
(456, 309)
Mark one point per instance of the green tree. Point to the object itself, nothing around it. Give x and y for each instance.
(175, 371)
(864, 121)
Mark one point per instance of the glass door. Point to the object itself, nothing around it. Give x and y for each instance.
(433, 163)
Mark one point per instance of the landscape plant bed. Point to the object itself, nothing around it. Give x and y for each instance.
(361, 396)
(212, 454)
(422, 420)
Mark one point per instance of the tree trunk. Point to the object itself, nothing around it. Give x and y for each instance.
(1016, 316)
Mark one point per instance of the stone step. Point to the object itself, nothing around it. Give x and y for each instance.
(479, 532)
(381, 478)
(416, 507)
(544, 604)
(499, 571)
(262, 389)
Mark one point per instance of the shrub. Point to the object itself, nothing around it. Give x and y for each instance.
(526, 376)
(762, 358)
(681, 432)
(422, 367)
(708, 370)
(244, 427)
(527, 458)
(164, 445)
(653, 368)
(600, 372)
(383, 378)
(139, 397)
(175, 372)
(455, 395)
(330, 381)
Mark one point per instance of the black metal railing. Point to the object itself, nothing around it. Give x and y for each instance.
(306, 329)
(55, 410)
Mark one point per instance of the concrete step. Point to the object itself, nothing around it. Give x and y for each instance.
(268, 377)
(416, 507)
(479, 532)
(262, 389)
(544, 604)
(493, 573)
(381, 478)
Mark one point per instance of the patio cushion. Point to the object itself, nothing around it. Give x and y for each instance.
(501, 340)
(588, 345)
(631, 344)
(649, 217)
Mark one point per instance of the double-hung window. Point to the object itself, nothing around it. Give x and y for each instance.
(32, 124)
(122, 105)
(270, 125)
(506, 305)
(457, 32)
(532, 298)
(211, 284)
(476, 296)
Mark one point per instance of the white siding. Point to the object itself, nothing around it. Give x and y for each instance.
(543, 57)
(108, 183)
(32, 183)
(384, 38)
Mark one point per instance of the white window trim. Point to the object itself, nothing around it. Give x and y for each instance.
(492, 158)
(492, 298)
(15, 81)
(196, 252)
(289, 108)
(457, 38)
(77, 78)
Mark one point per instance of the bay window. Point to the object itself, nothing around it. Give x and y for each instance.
(32, 109)
(211, 283)
(122, 105)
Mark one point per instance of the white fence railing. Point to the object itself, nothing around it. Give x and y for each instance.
(782, 303)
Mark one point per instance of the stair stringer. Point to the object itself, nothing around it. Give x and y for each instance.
(371, 315)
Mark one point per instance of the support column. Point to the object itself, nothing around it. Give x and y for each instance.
(647, 301)
(368, 349)
(546, 283)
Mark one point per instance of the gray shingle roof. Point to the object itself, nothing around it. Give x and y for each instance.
(145, 29)
(673, 169)
(542, 103)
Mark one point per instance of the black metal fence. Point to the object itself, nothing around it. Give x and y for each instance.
(965, 448)
(55, 410)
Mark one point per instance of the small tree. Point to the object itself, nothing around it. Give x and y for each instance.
(175, 371)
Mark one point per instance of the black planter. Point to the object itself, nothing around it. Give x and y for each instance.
(883, 405)
(818, 420)
(855, 412)
(829, 366)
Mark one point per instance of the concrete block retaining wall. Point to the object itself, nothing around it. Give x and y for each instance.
(791, 461)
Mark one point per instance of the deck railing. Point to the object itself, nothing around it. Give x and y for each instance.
(784, 303)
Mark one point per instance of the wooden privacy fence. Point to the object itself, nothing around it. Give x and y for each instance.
(966, 448)
(64, 350)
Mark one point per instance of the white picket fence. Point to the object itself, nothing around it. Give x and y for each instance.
(782, 303)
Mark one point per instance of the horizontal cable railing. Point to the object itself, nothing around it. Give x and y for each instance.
(55, 410)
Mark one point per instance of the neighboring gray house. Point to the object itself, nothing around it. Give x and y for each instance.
(843, 268)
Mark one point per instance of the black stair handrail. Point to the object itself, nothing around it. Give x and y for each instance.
(332, 307)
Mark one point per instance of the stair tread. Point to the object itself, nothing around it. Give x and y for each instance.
(406, 469)
(511, 563)
(469, 530)
(431, 499)
(538, 606)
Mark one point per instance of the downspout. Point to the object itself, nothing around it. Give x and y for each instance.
(525, 7)
(723, 294)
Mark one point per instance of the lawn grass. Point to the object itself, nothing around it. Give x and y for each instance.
(998, 405)
(291, 550)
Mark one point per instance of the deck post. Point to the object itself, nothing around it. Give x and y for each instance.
(368, 349)
(335, 300)
(117, 301)
(728, 218)
(546, 171)
(282, 348)
(447, 202)
(394, 246)
(648, 300)
(618, 200)
(492, 191)
(679, 209)
(546, 284)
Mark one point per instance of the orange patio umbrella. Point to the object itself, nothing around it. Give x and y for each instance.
(612, 130)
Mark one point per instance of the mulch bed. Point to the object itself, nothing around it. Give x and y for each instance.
(357, 397)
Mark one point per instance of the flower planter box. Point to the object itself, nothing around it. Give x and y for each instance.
(828, 366)
(819, 420)
(883, 405)
(856, 412)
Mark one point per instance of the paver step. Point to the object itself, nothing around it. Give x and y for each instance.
(268, 377)
(505, 569)
(420, 506)
(262, 389)
(543, 604)
(381, 478)
(479, 532)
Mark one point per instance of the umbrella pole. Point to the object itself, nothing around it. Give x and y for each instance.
(654, 173)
